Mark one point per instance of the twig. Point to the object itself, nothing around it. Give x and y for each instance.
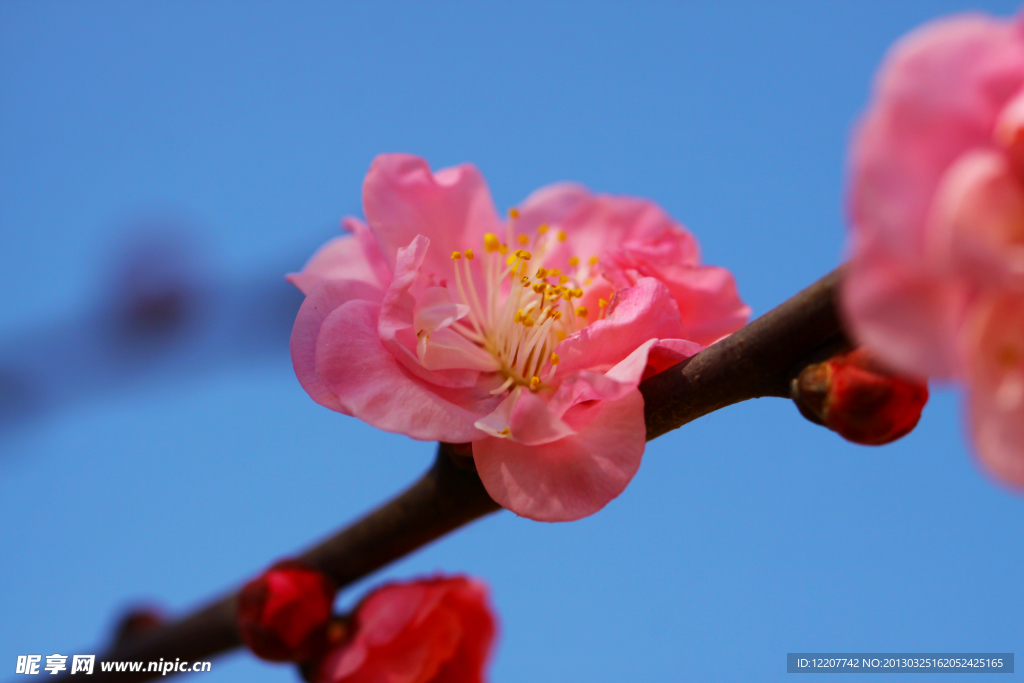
(759, 360)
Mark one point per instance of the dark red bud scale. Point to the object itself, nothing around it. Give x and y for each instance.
(855, 396)
(283, 614)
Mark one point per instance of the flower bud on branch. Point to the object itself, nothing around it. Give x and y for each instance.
(284, 612)
(855, 396)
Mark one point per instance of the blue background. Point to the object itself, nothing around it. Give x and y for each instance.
(746, 535)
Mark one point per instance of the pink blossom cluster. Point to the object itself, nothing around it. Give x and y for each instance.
(935, 285)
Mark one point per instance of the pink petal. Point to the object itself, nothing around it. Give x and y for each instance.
(635, 315)
(667, 352)
(977, 222)
(573, 477)
(344, 661)
(453, 208)
(322, 300)
(609, 222)
(447, 350)
(398, 313)
(595, 386)
(388, 611)
(648, 359)
(528, 419)
(995, 351)
(909, 319)
(662, 352)
(435, 310)
(373, 386)
(345, 258)
(938, 95)
(709, 303)
(551, 204)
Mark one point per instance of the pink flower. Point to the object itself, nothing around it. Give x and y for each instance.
(527, 337)
(428, 631)
(937, 273)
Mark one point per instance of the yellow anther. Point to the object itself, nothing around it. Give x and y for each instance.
(524, 280)
(592, 260)
(502, 249)
(523, 239)
(491, 243)
(586, 283)
(542, 272)
(540, 287)
(562, 279)
(513, 212)
(574, 261)
(568, 295)
(518, 317)
(555, 360)
(505, 432)
(456, 255)
(578, 293)
(469, 254)
(558, 289)
(557, 315)
(555, 272)
(527, 321)
(581, 311)
(525, 255)
(534, 382)
(561, 335)
(602, 303)
(543, 229)
(562, 236)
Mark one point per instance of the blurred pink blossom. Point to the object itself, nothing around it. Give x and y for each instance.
(936, 279)
(437, 630)
(526, 336)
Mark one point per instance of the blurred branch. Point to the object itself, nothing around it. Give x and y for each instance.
(448, 496)
(759, 360)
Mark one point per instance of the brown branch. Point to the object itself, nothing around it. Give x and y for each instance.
(759, 360)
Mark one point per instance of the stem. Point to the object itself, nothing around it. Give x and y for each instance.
(759, 360)
(448, 496)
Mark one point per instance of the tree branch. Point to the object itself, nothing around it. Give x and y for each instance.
(759, 360)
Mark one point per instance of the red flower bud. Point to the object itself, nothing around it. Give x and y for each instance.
(283, 614)
(428, 631)
(856, 397)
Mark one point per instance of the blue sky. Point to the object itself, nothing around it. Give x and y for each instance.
(746, 535)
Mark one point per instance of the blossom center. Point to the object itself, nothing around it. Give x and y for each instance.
(525, 309)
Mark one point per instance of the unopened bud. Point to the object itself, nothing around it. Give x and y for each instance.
(855, 396)
(283, 614)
